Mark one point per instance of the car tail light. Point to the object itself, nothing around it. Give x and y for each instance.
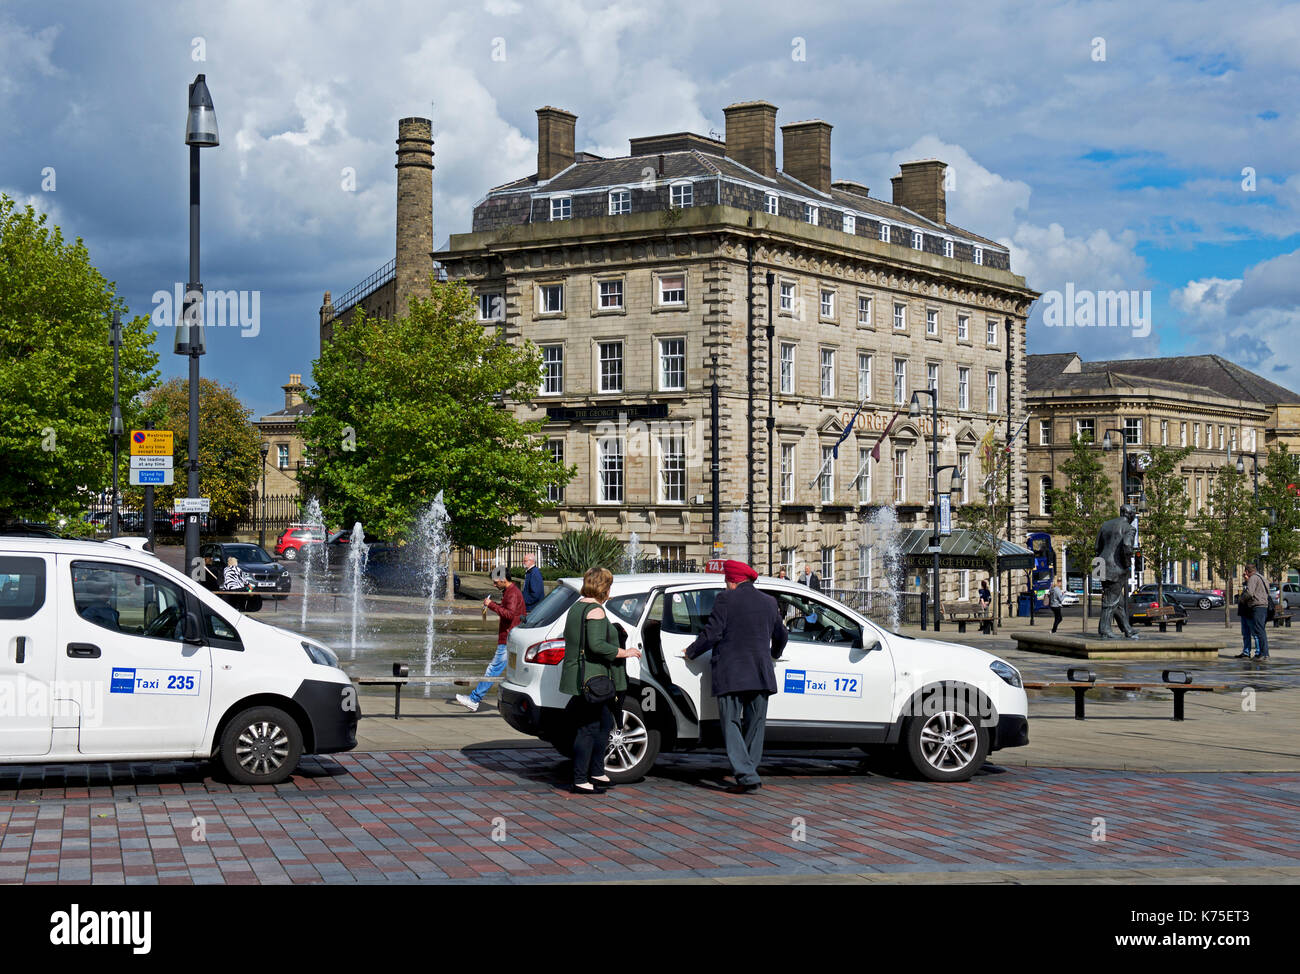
(548, 652)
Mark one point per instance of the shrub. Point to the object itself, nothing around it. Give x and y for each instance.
(577, 551)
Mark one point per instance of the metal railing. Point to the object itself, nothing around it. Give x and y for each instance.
(366, 288)
(877, 603)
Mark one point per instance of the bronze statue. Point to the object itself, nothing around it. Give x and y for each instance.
(1112, 567)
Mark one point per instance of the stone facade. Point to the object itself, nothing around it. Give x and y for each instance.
(280, 430)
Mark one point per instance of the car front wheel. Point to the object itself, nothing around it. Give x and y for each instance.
(1203, 604)
(260, 746)
(290, 554)
(633, 744)
(946, 746)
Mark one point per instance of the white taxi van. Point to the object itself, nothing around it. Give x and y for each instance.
(842, 680)
(107, 654)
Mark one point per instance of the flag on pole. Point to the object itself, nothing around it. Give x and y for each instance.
(835, 450)
(875, 450)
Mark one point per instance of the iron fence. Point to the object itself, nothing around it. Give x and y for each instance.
(877, 604)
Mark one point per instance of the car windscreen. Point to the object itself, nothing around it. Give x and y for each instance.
(247, 553)
(554, 605)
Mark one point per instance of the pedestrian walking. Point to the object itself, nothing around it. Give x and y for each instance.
(511, 611)
(746, 634)
(1257, 600)
(594, 675)
(533, 587)
(986, 594)
(1055, 599)
(1247, 620)
(807, 577)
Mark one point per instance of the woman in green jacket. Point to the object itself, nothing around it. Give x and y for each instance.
(589, 626)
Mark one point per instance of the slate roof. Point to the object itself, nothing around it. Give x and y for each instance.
(1185, 374)
(293, 412)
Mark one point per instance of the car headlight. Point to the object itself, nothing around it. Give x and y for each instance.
(1008, 672)
(319, 654)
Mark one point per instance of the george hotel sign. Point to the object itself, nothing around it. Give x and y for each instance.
(877, 422)
(599, 414)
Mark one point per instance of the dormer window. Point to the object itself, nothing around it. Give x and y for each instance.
(916, 240)
(620, 202)
(683, 194)
(561, 207)
(979, 255)
(884, 233)
(850, 223)
(947, 248)
(773, 204)
(810, 214)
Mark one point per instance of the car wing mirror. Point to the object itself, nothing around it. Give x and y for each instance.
(192, 631)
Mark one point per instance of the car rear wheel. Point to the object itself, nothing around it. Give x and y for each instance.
(290, 554)
(1203, 604)
(261, 746)
(949, 745)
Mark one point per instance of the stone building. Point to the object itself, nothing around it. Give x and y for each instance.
(647, 278)
(1214, 406)
(280, 430)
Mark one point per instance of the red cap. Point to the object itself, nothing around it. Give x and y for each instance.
(738, 571)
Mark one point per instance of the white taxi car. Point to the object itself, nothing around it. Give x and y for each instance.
(107, 654)
(843, 681)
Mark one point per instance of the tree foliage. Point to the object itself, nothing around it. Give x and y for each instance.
(1279, 492)
(56, 370)
(1085, 502)
(229, 460)
(403, 409)
(1162, 527)
(1227, 528)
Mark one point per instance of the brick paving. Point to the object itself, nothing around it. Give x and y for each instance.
(498, 815)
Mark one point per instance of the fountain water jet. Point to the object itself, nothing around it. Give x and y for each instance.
(632, 554)
(312, 552)
(432, 546)
(356, 577)
(885, 536)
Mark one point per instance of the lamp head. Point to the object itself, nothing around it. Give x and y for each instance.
(1241, 465)
(1105, 441)
(201, 125)
(956, 483)
(265, 448)
(914, 408)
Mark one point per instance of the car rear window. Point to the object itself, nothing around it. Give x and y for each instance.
(554, 605)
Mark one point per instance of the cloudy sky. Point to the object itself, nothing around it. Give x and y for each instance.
(1140, 147)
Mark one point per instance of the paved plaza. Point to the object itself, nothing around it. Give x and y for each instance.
(499, 815)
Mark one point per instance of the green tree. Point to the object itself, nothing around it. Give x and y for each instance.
(988, 521)
(229, 460)
(1278, 492)
(56, 370)
(1081, 507)
(404, 409)
(1162, 527)
(1227, 528)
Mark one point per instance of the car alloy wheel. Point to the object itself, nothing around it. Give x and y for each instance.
(262, 748)
(949, 741)
(627, 743)
(1203, 604)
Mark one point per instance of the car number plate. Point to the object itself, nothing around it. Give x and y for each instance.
(266, 584)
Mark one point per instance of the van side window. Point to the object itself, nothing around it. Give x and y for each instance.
(22, 586)
(218, 628)
(125, 599)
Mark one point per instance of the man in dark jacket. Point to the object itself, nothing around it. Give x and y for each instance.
(809, 577)
(533, 587)
(745, 634)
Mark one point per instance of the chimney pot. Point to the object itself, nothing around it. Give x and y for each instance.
(806, 153)
(554, 141)
(919, 187)
(751, 135)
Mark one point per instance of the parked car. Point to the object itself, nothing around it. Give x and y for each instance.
(269, 578)
(289, 545)
(1289, 596)
(150, 667)
(1142, 610)
(845, 682)
(390, 568)
(1184, 596)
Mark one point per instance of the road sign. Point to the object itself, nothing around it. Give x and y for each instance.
(191, 505)
(151, 443)
(152, 478)
(151, 463)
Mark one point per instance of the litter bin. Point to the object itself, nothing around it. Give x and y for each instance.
(1023, 605)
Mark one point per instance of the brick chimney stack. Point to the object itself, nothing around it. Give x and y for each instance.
(293, 390)
(806, 153)
(554, 141)
(414, 256)
(751, 135)
(920, 189)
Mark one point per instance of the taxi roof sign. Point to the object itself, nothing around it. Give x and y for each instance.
(151, 443)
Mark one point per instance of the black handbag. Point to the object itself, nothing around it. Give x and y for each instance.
(599, 689)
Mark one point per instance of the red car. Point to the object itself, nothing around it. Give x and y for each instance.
(289, 545)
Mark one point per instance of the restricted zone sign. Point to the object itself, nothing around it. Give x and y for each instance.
(151, 443)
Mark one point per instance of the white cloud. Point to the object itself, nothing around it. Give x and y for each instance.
(1257, 336)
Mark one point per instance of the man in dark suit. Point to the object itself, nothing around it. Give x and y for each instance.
(745, 633)
(533, 587)
(809, 577)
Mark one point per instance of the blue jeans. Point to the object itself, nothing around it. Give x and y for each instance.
(1247, 631)
(495, 668)
(1259, 616)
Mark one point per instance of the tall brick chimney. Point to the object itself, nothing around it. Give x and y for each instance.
(293, 390)
(751, 135)
(920, 189)
(554, 140)
(806, 153)
(414, 255)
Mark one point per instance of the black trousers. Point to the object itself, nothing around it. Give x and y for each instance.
(594, 723)
(1056, 617)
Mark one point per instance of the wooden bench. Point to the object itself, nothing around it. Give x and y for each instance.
(1165, 614)
(1082, 686)
(964, 616)
(1281, 619)
(398, 682)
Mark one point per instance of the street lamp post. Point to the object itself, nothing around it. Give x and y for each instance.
(200, 132)
(914, 412)
(1241, 468)
(115, 423)
(1123, 462)
(264, 449)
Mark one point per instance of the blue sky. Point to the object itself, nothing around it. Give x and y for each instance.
(1106, 143)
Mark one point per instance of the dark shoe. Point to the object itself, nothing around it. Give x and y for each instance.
(739, 789)
(605, 782)
(593, 790)
(1242, 656)
(1262, 658)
